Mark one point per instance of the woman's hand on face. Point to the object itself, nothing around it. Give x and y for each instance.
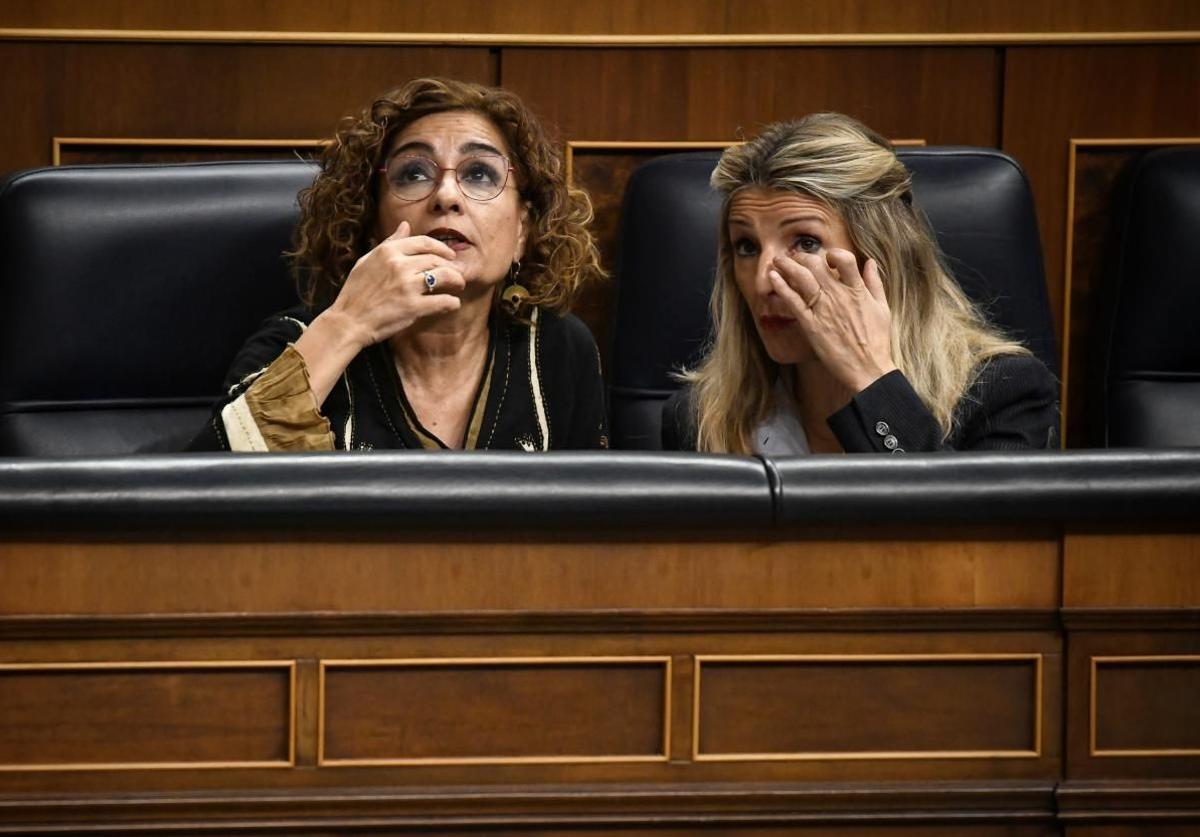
(843, 311)
(387, 291)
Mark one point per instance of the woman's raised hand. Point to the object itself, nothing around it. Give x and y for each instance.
(388, 288)
(843, 312)
(386, 292)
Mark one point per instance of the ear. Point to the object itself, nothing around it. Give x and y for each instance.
(526, 222)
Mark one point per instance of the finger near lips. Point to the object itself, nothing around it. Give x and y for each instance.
(418, 245)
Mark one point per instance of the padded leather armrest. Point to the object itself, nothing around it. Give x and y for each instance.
(457, 494)
(1047, 486)
(451, 493)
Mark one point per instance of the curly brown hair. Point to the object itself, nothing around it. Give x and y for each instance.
(337, 211)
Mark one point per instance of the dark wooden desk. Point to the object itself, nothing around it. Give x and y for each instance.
(882, 679)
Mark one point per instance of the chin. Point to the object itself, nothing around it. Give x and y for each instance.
(787, 353)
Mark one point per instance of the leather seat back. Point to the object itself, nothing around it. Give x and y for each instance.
(1150, 349)
(127, 290)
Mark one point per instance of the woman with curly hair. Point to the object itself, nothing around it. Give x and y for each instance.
(837, 326)
(437, 250)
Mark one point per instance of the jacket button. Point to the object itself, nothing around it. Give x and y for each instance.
(891, 442)
(898, 450)
(881, 427)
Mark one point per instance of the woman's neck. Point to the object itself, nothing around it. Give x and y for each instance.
(444, 350)
(819, 395)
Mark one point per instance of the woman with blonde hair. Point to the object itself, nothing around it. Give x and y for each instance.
(437, 250)
(837, 326)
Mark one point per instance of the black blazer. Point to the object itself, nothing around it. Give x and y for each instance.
(1013, 405)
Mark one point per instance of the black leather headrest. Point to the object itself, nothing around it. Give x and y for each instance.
(1152, 351)
(127, 290)
(978, 202)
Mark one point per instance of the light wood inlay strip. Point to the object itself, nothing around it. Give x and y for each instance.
(604, 40)
(59, 144)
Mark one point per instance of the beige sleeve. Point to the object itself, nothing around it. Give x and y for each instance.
(278, 411)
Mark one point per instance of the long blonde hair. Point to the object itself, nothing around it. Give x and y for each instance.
(939, 337)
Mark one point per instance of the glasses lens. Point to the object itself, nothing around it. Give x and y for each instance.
(412, 178)
(482, 178)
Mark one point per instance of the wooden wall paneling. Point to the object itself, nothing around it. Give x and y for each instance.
(206, 91)
(1144, 706)
(186, 577)
(1053, 95)
(944, 95)
(495, 710)
(1113, 571)
(410, 738)
(613, 16)
(27, 103)
(796, 708)
(1132, 709)
(73, 151)
(146, 716)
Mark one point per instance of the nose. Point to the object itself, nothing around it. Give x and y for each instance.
(762, 274)
(446, 195)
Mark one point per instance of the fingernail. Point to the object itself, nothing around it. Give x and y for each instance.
(774, 274)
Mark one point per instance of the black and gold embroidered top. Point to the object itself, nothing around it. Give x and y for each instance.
(540, 390)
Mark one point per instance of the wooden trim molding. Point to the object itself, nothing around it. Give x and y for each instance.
(324, 666)
(778, 620)
(575, 146)
(886, 755)
(697, 807)
(500, 39)
(165, 665)
(58, 144)
(1094, 663)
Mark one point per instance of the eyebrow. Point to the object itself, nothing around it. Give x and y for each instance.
(803, 219)
(794, 219)
(466, 147)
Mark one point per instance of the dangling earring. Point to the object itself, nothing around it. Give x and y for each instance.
(514, 295)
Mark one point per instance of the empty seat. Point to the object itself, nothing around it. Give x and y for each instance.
(127, 290)
(1149, 347)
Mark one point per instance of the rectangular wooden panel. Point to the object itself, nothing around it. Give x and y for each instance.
(1133, 698)
(248, 91)
(494, 710)
(1145, 706)
(921, 570)
(89, 716)
(869, 707)
(944, 95)
(1131, 570)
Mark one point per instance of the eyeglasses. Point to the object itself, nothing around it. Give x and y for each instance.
(411, 177)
